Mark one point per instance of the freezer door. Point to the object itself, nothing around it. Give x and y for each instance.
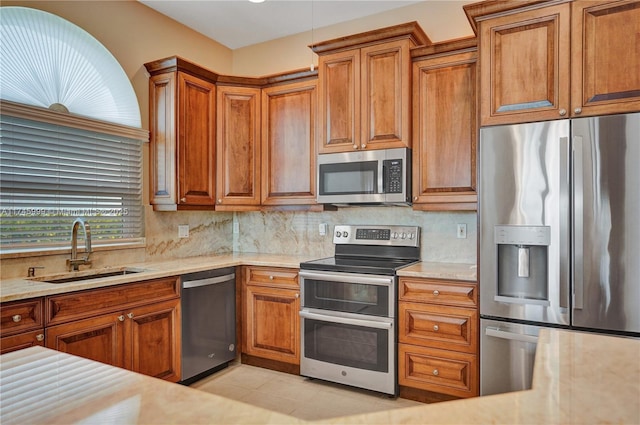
(524, 214)
(606, 236)
(507, 354)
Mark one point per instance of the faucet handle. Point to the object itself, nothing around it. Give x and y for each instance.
(31, 271)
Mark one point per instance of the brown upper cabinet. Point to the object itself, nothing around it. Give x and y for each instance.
(182, 102)
(364, 85)
(238, 147)
(445, 125)
(543, 60)
(289, 134)
(212, 147)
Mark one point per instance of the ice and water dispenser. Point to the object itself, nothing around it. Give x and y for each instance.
(523, 259)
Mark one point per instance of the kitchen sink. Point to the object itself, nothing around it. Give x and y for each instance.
(88, 275)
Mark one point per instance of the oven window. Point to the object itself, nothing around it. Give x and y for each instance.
(349, 178)
(357, 298)
(347, 345)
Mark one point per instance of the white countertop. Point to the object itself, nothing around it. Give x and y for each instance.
(23, 288)
(579, 378)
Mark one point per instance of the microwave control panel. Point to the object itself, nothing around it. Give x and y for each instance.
(392, 175)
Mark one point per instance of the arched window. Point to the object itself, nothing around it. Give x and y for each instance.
(70, 136)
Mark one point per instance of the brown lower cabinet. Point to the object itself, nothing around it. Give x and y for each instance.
(135, 326)
(437, 339)
(271, 325)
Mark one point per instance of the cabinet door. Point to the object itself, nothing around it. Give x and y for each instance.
(385, 95)
(339, 85)
(100, 338)
(153, 340)
(196, 141)
(524, 66)
(445, 133)
(605, 50)
(238, 146)
(272, 327)
(289, 144)
(162, 147)
(20, 341)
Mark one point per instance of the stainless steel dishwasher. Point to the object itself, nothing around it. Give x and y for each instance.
(208, 302)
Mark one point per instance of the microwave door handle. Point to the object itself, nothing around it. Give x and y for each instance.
(382, 178)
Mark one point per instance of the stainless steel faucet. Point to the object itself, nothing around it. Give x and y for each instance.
(74, 263)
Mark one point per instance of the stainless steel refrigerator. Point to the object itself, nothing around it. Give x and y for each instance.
(559, 212)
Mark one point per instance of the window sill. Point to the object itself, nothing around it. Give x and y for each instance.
(51, 250)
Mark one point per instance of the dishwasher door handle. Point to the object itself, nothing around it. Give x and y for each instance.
(210, 281)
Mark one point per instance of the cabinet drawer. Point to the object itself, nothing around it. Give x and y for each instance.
(449, 328)
(20, 341)
(441, 371)
(436, 291)
(20, 316)
(82, 304)
(272, 276)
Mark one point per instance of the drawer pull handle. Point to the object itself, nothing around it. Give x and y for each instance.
(436, 293)
(130, 315)
(121, 318)
(436, 328)
(270, 277)
(435, 372)
(40, 337)
(17, 318)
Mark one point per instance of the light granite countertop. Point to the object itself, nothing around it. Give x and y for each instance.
(23, 288)
(579, 378)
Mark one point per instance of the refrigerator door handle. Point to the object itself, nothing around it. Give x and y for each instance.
(497, 333)
(565, 233)
(578, 225)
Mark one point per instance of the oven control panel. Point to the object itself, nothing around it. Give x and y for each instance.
(377, 235)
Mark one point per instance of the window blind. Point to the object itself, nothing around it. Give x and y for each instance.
(50, 174)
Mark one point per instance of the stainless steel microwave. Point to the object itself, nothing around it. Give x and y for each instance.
(375, 177)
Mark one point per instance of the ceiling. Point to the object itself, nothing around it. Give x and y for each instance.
(240, 23)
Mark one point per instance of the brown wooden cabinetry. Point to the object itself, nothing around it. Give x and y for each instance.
(238, 147)
(271, 326)
(445, 126)
(135, 326)
(21, 325)
(182, 101)
(438, 338)
(289, 134)
(541, 60)
(365, 89)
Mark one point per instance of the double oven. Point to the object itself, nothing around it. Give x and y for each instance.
(349, 305)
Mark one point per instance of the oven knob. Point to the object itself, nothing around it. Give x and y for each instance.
(411, 235)
(338, 234)
(395, 235)
(404, 235)
(345, 234)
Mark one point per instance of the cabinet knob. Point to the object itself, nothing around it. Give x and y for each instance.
(562, 112)
(436, 293)
(355, 146)
(270, 277)
(415, 198)
(130, 315)
(436, 328)
(40, 337)
(17, 318)
(297, 295)
(121, 318)
(183, 199)
(363, 146)
(435, 372)
(577, 111)
(219, 200)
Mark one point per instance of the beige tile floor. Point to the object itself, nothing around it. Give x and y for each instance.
(303, 398)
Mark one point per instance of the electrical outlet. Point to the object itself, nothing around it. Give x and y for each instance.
(462, 231)
(322, 229)
(236, 227)
(183, 230)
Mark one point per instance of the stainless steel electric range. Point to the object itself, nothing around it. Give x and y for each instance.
(348, 308)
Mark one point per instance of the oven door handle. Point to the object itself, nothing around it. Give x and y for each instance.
(348, 278)
(346, 320)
